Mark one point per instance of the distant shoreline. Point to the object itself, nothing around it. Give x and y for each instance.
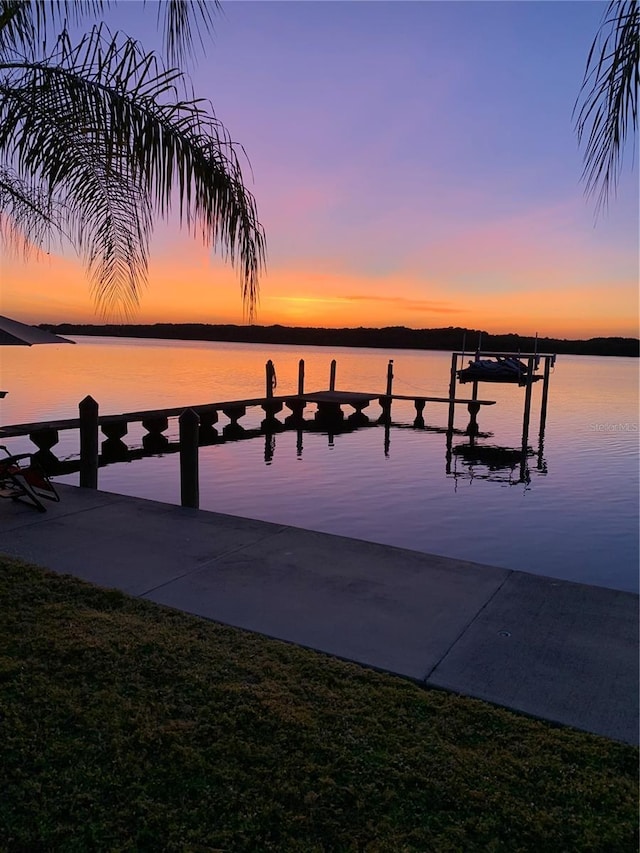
(391, 337)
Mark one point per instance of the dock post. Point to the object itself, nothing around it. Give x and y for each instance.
(189, 486)
(270, 379)
(332, 376)
(386, 400)
(527, 407)
(389, 377)
(301, 377)
(88, 409)
(545, 396)
(452, 389)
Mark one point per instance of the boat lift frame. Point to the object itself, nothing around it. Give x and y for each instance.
(533, 362)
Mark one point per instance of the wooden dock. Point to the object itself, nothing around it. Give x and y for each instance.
(197, 425)
(209, 412)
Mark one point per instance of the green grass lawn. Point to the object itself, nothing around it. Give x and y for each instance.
(127, 726)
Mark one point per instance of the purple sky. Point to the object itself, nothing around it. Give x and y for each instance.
(417, 151)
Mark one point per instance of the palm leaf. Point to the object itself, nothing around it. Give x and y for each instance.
(607, 105)
(115, 137)
(29, 219)
(24, 23)
(180, 16)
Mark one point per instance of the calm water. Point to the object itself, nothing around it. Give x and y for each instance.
(574, 516)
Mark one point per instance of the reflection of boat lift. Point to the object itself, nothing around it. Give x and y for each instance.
(507, 465)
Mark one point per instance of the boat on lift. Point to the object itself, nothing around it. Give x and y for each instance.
(500, 368)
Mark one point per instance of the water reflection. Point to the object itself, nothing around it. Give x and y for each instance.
(468, 452)
(495, 463)
(465, 460)
(468, 459)
(506, 465)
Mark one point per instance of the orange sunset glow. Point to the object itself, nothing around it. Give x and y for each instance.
(55, 289)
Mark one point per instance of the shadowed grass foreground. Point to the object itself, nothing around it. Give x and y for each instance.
(127, 726)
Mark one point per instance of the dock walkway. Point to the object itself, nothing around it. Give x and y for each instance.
(561, 651)
(340, 398)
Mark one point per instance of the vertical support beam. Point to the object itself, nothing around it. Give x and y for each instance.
(189, 476)
(452, 389)
(527, 406)
(301, 377)
(386, 400)
(270, 379)
(545, 396)
(88, 409)
(332, 376)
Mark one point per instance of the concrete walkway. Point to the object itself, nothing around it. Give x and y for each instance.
(561, 651)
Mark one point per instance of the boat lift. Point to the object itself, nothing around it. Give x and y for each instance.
(525, 379)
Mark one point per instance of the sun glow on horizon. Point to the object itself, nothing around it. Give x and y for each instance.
(189, 289)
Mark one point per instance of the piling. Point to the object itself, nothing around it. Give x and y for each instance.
(189, 476)
(389, 377)
(527, 404)
(88, 409)
(332, 376)
(452, 390)
(386, 400)
(301, 377)
(545, 396)
(270, 379)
